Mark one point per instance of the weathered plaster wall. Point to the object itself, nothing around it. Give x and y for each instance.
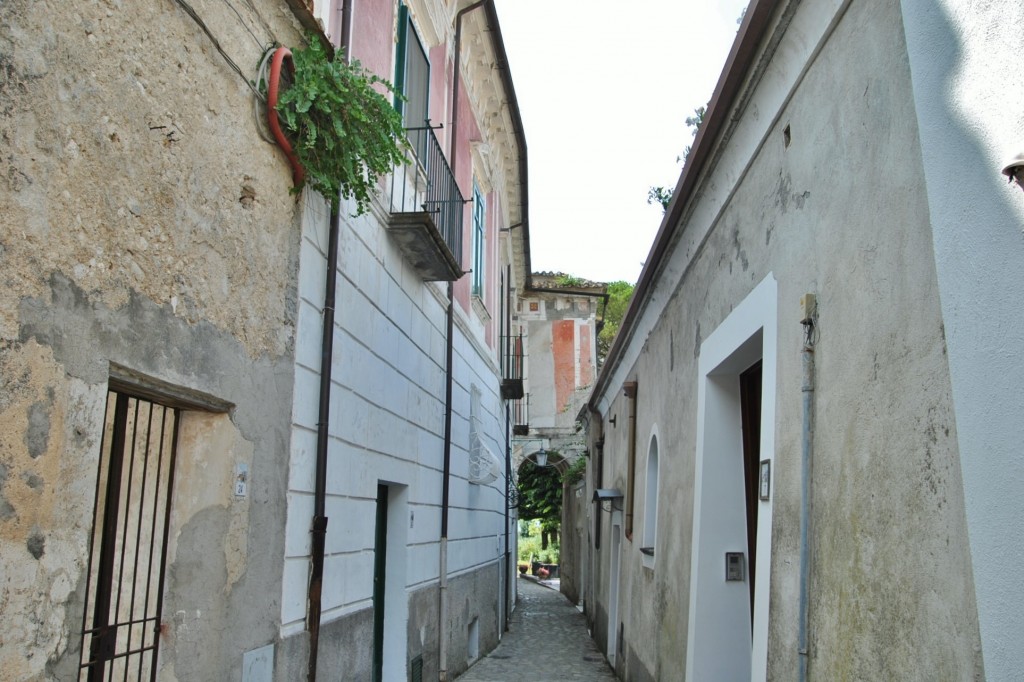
(573, 549)
(143, 222)
(838, 211)
(969, 96)
(560, 358)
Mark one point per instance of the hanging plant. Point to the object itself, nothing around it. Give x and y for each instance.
(344, 132)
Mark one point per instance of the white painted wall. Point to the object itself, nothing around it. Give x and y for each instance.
(968, 84)
(386, 421)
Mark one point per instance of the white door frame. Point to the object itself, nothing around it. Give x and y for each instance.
(719, 643)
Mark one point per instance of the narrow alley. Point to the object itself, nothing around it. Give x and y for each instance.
(321, 320)
(547, 640)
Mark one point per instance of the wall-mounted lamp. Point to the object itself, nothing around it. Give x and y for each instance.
(612, 495)
(1014, 169)
(540, 458)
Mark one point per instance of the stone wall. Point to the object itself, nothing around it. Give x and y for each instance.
(144, 225)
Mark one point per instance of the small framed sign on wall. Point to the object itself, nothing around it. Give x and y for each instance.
(765, 479)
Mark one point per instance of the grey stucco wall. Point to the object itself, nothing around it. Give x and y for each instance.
(839, 211)
(573, 550)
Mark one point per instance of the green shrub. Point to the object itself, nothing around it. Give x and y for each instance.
(346, 133)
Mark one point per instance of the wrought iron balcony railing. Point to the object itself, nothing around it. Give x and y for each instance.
(521, 416)
(427, 209)
(512, 363)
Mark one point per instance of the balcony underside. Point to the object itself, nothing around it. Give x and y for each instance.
(419, 239)
(511, 389)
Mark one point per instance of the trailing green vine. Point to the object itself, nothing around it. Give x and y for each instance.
(347, 134)
(575, 471)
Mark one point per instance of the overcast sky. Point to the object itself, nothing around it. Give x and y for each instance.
(605, 88)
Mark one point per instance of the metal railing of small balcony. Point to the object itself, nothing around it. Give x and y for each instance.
(427, 184)
(513, 357)
(520, 415)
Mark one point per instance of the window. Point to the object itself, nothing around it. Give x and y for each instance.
(479, 211)
(121, 625)
(651, 505)
(412, 81)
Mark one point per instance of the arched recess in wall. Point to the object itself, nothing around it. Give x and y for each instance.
(650, 529)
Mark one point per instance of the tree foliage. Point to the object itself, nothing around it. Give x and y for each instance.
(619, 295)
(347, 134)
(540, 494)
(663, 195)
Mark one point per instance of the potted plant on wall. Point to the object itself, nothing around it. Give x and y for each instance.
(338, 130)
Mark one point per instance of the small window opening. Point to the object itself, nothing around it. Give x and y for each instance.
(650, 530)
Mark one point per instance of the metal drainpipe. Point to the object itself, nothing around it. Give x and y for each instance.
(442, 655)
(506, 325)
(319, 522)
(807, 441)
(509, 572)
(443, 567)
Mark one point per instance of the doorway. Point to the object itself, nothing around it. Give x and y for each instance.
(728, 619)
(390, 604)
(750, 423)
(128, 550)
(380, 563)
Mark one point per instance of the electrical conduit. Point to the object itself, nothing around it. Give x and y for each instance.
(807, 442)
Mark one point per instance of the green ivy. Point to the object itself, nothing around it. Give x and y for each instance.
(575, 471)
(346, 133)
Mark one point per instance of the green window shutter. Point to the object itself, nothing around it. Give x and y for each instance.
(412, 82)
(479, 213)
(400, 56)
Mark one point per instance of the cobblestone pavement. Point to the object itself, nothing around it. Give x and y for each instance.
(547, 640)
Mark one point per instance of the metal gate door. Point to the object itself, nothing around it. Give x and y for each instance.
(121, 623)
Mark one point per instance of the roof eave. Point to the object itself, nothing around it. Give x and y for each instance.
(741, 58)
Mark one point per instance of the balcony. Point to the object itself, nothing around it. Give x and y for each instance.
(426, 210)
(512, 367)
(520, 416)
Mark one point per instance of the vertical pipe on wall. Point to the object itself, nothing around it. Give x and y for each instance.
(443, 633)
(318, 529)
(806, 441)
(319, 523)
(443, 561)
(509, 565)
(505, 331)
